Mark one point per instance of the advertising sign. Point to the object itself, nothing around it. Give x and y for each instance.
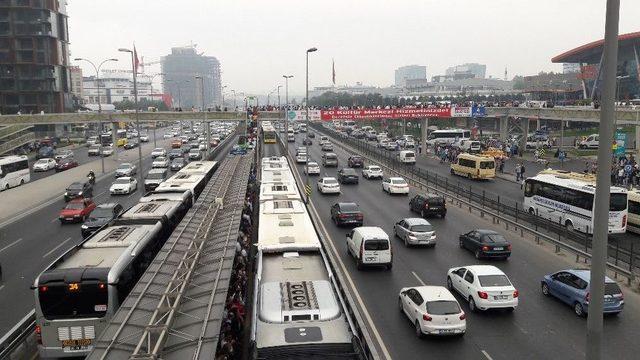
(460, 111)
(301, 115)
(621, 139)
(384, 114)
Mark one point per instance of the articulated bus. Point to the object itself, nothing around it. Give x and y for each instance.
(297, 311)
(77, 295)
(567, 198)
(14, 171)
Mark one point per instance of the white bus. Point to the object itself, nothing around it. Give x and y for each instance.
(448, 136)
(14, 171)
(567, 198)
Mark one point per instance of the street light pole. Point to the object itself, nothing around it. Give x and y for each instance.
(234, 99)
(603, 181)
(205, 123)
(286, 106)
(135, 100)
(313, 49)
(100, 130)
(222, 93)
(155, 123)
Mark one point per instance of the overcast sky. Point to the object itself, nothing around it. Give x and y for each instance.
(257, 41)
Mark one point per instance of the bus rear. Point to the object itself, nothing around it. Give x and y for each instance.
(618, 211)
(72, 309)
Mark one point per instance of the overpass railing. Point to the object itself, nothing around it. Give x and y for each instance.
(622, 260)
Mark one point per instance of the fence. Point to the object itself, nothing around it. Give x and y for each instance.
(623, 260)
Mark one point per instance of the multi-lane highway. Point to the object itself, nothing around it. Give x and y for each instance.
(540, 328)
(31, 243)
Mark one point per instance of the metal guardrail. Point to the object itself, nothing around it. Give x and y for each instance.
(10, 343)
(20, 333)
(625, 262)
(365, 340)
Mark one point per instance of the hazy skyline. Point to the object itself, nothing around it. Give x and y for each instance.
(259, 41)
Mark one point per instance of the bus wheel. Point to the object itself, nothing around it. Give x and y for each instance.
(531, 211)
(569, 226)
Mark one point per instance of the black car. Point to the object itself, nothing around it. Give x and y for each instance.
(348, 176)
(177, 164)
(355, 161)
(131, 144)
(486, 244)
(175, 153)
(307, 141)
(102, 215)
(428, 204)
(311, 135)
(347, 214)
(185, 148)
(78, 189)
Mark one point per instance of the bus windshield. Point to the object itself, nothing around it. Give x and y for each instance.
(59, 302)
(618, 202)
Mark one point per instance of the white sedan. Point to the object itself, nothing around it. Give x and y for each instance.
(483, 286)
(328, 185)
(144, 138)
(432, 310)
(158, 152)
(167, 136)
(124, 186)
(312, 168)
(395, 185)
(372, 172)
(44, 164)
(160, 162)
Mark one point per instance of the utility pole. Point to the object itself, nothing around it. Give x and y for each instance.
(100, 130)
(286, 106)
(155, 123)
(603, 181)
(313, 49)
(135, 100)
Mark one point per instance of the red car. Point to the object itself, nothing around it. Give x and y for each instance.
(176, 144)
(77, 210)
(66, 164)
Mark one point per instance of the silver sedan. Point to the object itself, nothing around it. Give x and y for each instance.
(415, 231)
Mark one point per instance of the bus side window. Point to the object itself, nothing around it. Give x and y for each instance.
(634, 207)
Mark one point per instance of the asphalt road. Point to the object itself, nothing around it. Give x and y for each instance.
(540, 328)
(80, 154)
(509, 192)
(29, 245)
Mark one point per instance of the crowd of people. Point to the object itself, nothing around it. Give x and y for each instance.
(234, 315)
(625, 171)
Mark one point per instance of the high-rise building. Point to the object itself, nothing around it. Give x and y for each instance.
(180, 69)
(75, 73)
(409, 72)
(34, 57)
(467, 71)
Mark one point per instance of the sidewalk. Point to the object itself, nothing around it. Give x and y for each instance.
(26, 199)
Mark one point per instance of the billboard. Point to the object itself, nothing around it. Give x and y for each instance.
(300, 115)
(362, 114)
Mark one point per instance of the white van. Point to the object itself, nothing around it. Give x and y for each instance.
(591, 142)
(370, 245)
(407, 157)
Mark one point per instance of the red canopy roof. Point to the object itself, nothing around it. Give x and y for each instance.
(584, 51)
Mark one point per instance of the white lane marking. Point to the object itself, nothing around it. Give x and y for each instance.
(486, 355)
(54, 220)
(10, 245)
(55, 248)
(417, 277)
(100, 194)
(1, 287)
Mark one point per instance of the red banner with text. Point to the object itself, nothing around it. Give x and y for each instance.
(384, 114)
